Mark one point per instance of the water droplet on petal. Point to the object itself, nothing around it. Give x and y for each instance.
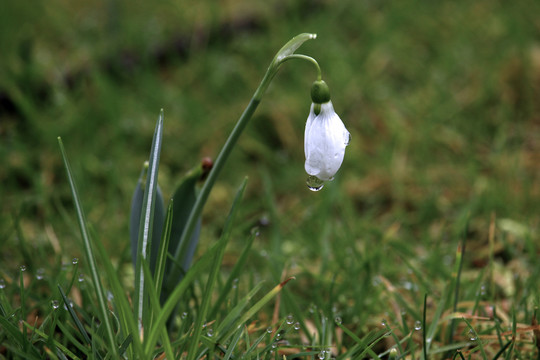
(338, 320)
(417, 325)
(55, 305)
(314, 183)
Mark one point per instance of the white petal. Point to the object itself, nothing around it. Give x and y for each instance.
(325, 140)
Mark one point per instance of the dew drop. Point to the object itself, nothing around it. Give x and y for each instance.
(312, 308)
(80, 278)
(417, 325)
(278, 336)
(75, 261)
(210, 332)
(184, 315)
(235, 283)
(269, 329)
(314, 183)
(40, 274)
(55, 305)
(23, 268)
(383, 322)
(290, 319)
(321, 355)
(472, 335)
(274, 345)
(2, 284)
(296, 326)
(338, 320)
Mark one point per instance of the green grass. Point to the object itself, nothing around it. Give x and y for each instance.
(441, 100)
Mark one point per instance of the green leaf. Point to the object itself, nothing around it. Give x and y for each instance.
(135, 219)
(201, 316)
(184, 199)
(293, 44)
(89, 253)
(147, 222)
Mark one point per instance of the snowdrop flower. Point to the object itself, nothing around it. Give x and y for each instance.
(325, 138)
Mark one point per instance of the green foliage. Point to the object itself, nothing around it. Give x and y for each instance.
(441, 100)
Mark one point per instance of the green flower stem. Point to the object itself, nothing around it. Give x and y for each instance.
(307, 58)
(285, 53)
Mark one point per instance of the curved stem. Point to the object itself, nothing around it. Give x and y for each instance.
(196, 211)
(307, 58)
(216, 169)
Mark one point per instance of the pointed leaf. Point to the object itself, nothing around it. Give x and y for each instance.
(147, 220)
(135, 219)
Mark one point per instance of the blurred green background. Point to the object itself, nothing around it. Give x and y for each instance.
(442, 99)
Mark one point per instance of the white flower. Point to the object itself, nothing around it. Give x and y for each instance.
(325, 140)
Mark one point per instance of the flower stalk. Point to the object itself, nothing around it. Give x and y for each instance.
(284, 54)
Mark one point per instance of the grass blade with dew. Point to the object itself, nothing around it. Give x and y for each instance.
(147, 223)
(135, 218)
(256, 307)
(227, 323)
(205, 305)
(235, 272)
(74, 317)
(89, 253)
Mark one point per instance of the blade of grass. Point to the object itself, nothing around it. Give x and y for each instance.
(75, 318)
(156, 309)
(90, 259)
(177, 293)
(205, 305)
(456, 278)
(234, 314)
(235, 272)
(56, 343)
(128, 323)
(147, 222)
(256, 307)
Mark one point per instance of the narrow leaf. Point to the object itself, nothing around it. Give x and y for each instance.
(146, 223)
(201, 316)
(89, 253)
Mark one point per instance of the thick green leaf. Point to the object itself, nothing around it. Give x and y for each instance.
(147, 223)
(135, 219)
(184, 199)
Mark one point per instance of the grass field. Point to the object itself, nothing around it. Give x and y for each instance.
(425, 245)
